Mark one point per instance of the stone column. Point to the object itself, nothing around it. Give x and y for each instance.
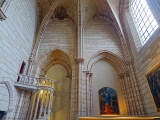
(41, 105)
(31, 108)
(130, 95)
(37, 103)
(31, 62)
(124, 88)
(139, 107)
(50, 101)
(90, 95)
(47, 102)
(80, 87)
(19, 105)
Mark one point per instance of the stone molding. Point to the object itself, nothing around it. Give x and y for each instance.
(109, 56)
(42, 28)
(3, 7)
(11, 98)
(55, 57)
(79, 60)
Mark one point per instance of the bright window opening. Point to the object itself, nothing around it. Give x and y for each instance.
(143, 18)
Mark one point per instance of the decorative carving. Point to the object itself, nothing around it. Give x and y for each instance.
(60, 13)
(2, 15)
(2, 2)
(3, 6)
(79, 60)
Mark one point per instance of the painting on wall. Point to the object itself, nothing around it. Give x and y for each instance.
(153, 79)
(108, 101)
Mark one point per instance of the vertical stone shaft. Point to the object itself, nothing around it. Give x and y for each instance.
(90, 95)
(138, 100)
(19, 105)
(123, 84)
(47, 101)
(41, 105)
(30, 113)
(131, 96)
(37, 103)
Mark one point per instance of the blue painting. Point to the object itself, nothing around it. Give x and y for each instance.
(108, 101)
(154, 83)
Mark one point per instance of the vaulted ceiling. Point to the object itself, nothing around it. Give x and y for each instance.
(88, 8)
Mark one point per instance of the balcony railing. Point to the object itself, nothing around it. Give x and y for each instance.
(31, 83)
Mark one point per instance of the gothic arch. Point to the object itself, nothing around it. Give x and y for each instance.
(55, 57)
(11, 95)
(116, 61)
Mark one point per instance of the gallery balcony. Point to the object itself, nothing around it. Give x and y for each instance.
(26, 82)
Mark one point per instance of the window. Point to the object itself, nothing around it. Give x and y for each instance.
(21, 71)
(145, 23)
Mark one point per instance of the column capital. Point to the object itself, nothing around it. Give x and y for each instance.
(79, 60)
(90, 74)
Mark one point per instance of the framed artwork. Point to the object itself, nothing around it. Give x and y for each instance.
(108, 101)
(153, 79)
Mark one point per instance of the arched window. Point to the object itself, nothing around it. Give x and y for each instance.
(144, 20)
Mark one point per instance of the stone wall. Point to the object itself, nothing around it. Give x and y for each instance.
(105, 75)
(4, 98)
(59, 35)
(61, 99)
(17, 33)
(146, 58)
(100, 35)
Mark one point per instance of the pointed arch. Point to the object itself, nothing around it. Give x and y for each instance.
(11, 97)
(55, 57)
(116, 61)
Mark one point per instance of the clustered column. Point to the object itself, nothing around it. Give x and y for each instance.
(41, 104)
(89, 99)
(131, 93)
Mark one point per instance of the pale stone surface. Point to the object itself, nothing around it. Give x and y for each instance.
(18, 31)
(16, 38)
(104, 75)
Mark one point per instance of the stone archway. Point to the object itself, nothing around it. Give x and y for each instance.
(49, 61)
(11, 99)
(109, 56)
(112, 58)
(55, 57)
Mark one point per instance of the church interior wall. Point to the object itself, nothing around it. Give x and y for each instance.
(61, 100)
(18, 31)
(100, 35)
(105, 75)
(61, 35)
(16, 37)
(145, 59)
(4, 98)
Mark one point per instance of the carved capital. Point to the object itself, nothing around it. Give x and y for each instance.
(90, 74)
(79, 60)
